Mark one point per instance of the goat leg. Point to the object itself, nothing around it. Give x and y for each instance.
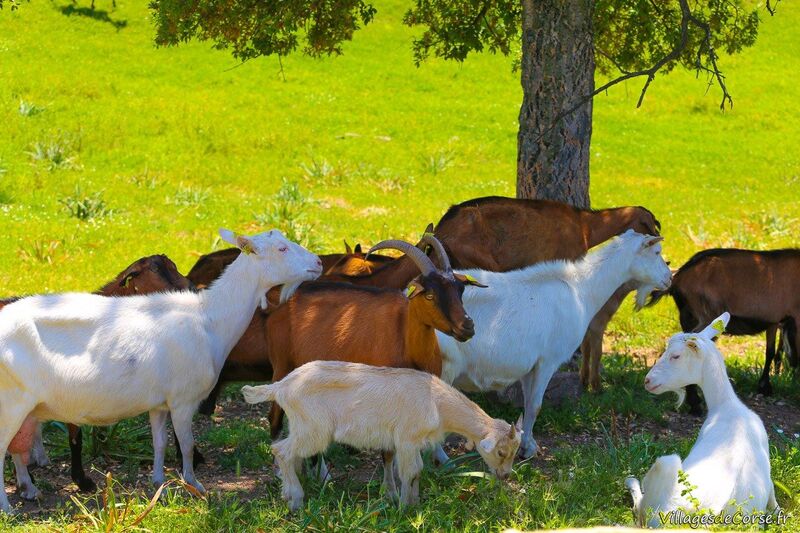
(182, 424)
(158, 426)
(197, 457)
(389, 486)
(208, 405)
(77, 473)
(38, 453)
(764, 386)
(25, 487)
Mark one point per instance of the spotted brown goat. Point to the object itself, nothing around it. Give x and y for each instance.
(760, 289)
(155, 273)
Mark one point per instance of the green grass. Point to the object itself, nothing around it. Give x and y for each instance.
(112, 149)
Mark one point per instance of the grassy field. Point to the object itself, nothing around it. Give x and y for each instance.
(111, 149)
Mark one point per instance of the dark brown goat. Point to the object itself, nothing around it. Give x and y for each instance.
(155, 273)
(760, 289)
(370, 325)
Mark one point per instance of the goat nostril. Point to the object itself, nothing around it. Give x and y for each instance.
(647, 381)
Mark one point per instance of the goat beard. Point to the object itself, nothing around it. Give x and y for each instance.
(287, 290)
(642, 292)
(681, 396)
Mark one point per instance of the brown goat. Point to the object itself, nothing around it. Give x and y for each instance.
(248, 359)
(370, 325)
(210, 266)
(760, 289)
(155, 273)
(500, 234)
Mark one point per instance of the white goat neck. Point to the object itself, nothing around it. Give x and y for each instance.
(229, 303)
(717, 389)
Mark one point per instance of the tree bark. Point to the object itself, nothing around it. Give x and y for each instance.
(557, 69)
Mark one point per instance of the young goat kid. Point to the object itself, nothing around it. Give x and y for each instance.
(729, 462)
(377, 408)
(90, 359)
(532, 320)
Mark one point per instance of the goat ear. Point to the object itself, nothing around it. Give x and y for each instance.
(347, 248)
(651, 240)
(717, 327)
(242, 242)
(487, 444)
(127, 279)
(466, 279)
(245, 244)
(227, 236)
(414, 289)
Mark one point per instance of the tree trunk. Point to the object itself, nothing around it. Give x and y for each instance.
(557, 69)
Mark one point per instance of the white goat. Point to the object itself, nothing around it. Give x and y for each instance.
(90, 359)
(381, 408)
(729, 463)
(530, 321)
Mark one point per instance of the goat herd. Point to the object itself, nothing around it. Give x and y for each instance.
(530, 290)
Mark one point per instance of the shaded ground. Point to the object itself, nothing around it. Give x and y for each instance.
(250, 482)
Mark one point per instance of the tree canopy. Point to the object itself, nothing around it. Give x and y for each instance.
(629, 35)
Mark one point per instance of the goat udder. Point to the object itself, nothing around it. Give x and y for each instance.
(23, 440)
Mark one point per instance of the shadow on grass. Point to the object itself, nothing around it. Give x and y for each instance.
(96, 14)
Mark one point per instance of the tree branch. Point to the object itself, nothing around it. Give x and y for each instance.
(772, 6)
(686, 17)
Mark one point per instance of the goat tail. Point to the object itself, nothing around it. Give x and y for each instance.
(259, 393)
(656, 295)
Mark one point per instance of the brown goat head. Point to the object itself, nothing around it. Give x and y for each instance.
(436, 300)
(642, 220)
(435, 295)
(149, 274)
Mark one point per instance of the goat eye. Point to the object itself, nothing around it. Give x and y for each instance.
(673, 357)
(283, 249)
(429, 296)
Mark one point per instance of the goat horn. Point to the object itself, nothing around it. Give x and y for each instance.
(441, 254)
(422, 261)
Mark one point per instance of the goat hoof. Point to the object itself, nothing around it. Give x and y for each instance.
(85, 484)
(528, 452)
(39, 460)
(29, 493)
(295, 504)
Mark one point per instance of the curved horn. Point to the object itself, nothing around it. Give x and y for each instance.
(422, 261)
(441, 254)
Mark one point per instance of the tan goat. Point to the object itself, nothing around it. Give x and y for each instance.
(380, 408)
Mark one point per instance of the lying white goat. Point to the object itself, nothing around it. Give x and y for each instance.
(729, 464)
(90, 359)
(530, 321)
(379, 408)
